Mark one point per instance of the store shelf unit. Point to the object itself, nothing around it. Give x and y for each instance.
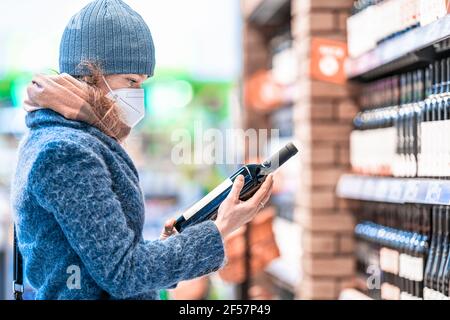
(396, 196)
(394, 190)
(414, 47)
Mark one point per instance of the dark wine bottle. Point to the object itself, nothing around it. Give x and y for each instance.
(254, 176)
(445, 252)
(421, 249)
(431, 256)
(438, 255)
(445, 279)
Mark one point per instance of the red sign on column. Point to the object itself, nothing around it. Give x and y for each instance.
(328, 59)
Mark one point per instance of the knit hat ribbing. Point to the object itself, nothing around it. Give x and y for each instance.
(111, 34)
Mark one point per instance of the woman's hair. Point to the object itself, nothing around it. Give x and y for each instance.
(108, 117)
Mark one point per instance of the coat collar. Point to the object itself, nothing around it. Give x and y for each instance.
(48, 118)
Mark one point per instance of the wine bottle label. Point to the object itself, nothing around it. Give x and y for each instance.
(390, 292)
(417, 267)
(427, 147)
(389, 260)
(446, 150)
(406, 296)
(438, 147)
(403, 266)
(388, 149)
(208, 198)
(434, 295)
(426, 293)
(437, 295)
(443, 148)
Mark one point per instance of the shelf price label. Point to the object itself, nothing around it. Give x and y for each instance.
(395, 191)
(434, 191)
(356, 184)
(382, 190)
(369, 189)
(411, 191)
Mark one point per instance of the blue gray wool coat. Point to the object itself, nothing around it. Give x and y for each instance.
(80, 212)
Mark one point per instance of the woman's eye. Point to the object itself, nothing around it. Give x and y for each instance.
(132, 81)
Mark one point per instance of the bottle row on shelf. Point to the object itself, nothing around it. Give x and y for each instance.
(404, 130)
(403, 251)
(374, 21)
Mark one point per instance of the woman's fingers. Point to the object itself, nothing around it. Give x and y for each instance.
(75, 85)
(261, 194)
(41, 80)
(169, 225)
(169, 229)
(237, 187)
(266, 199)
(34, 92)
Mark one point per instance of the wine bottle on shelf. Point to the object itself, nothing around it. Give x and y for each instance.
(399, 163)
(424, 126)
(431, 256)
(440, 123)
(446, 124)
(421, 249)
(445, 276)
(254, 176)
(444, 255)
(434, 156)
(411, 123)
(418, 93)
(408, 242)
(410, 236)
(434, 290)
(402, 233)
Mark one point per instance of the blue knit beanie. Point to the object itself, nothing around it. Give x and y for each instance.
(110, 34)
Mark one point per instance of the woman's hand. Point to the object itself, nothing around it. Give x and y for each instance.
(234, 213)
(169, 229)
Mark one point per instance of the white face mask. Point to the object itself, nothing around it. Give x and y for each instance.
(131, 103)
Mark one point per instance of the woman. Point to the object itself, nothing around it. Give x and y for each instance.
(76, 194)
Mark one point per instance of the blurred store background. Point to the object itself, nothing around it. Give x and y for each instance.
(249, 64)
(197, 81)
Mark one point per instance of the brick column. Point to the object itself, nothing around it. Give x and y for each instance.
(322, 116)
(255, 57)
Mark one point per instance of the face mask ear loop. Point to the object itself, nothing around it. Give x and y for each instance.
(112, 106)
(106, 82)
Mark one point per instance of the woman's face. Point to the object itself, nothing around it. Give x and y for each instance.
(123, 81)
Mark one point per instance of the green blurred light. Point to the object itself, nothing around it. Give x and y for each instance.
(19, 89)
(168, 96)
